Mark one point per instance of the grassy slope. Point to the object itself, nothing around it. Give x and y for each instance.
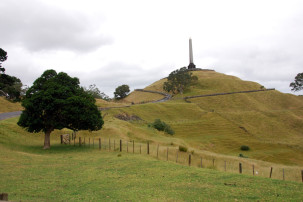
(271, 123)
(68, 173)
(7, 106)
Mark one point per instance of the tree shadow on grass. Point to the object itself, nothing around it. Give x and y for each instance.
(57, 149)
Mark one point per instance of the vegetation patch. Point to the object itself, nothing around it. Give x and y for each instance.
(183, 148)
(244, 148)
(127, 117)
(162, 126)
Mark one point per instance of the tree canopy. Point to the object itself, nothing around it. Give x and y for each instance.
(297, 85)
(10, 86)
(121, 91)
(3, 57)
(56, 101)
(179, 80)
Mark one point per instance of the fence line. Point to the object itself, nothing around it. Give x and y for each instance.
(190, 159)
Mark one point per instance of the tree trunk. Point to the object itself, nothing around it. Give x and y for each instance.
(47, 140)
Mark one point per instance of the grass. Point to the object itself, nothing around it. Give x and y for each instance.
(68, 173)
(8, 106)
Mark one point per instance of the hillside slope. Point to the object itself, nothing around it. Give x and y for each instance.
(269, 122)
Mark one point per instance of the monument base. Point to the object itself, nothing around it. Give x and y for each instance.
(191, 66)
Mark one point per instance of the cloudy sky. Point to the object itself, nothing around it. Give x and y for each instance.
(110, 43)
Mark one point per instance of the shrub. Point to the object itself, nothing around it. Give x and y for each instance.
(182, 148)
(244, 148)
(162, 126)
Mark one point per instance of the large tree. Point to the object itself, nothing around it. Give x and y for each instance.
(297, 85)
(179, 80)
(56, 101)
(121, 91)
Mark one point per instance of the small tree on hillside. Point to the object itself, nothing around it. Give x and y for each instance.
(56, 101)
(179, 80)
(121, 91)
(298, 84)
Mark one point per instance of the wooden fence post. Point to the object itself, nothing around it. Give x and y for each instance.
(109, 144)
(253, 169)
(158, 151)
(177, 157)
(4, 197)
(61, 138)
(283, 174)
(99, 143)
(302, 175)
(120, 145)
(213, 162)
(133, 146)
(270, 172)
(148, 147)
(80, 141)
(167, 154)
(240, 168)
(189, 159)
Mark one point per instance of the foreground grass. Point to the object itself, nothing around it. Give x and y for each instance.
(79, 174)
(68, 173)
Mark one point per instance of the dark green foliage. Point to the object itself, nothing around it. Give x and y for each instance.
(244, 148)
(9, 85)
(162, 126)
(94, 91)
(56, 101)
(3, 57)
(242, 156)
(179, 80)
(183, 148)
(298, 84)
(121, 91)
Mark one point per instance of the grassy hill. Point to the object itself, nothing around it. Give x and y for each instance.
(7, 106)
(73, 173)
(269, 122)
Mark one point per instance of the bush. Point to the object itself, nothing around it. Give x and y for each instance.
(244, 148)
(182, 148)
(162, 126)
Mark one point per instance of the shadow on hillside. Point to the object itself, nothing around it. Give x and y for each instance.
(58, 149)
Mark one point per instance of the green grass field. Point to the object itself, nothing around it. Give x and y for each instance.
(73, 173)
(270, 123)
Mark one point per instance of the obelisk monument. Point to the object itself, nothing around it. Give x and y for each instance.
(191, 57)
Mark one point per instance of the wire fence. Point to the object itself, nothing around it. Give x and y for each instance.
(173, 154)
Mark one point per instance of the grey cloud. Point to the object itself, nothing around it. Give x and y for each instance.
(38, 27)
(109, 77)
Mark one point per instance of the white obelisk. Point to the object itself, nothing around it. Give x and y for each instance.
(191, 57)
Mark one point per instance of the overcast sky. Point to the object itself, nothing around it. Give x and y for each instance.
(110, 43)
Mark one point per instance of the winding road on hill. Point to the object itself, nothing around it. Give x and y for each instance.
(164, 99)
(168, 96)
